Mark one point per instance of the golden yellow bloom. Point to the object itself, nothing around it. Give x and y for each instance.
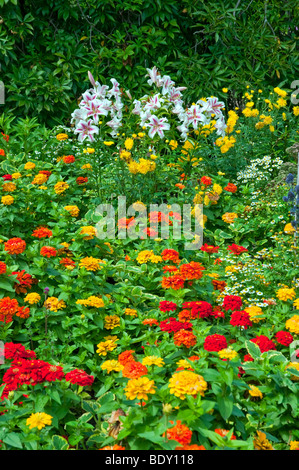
(112, 366)
(125, 155)
(16, 176)
(294, 445)
(89, 231)
(106, 346)
(60, 187)
(285, 294)
(111, 321)
(129, 143)
(296, 110)
(90, 263)
(153, 361)
(29, 166)
(32, 298)
(143, 166)
(131, 312)
(91, 301)
(296, 304)
(62, 136)
(108, 143)
(260, 442)
(217, 188)
(148, 255)
(7, 200)
(289, 229)
(187, 383)
(255, 392)
(227, 353)
(73, 210)
(9, 187)
(87, 166)
(40, 178)
(229, 217)
(225, 90)
(292, 324)
(139, 388)
(173, 144)
(39, 420)
(280, 92)
(253, 313)
(293, 365)
(53, 304)
(88, 150)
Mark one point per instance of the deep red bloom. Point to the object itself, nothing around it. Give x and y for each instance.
(231, 188)
(232, 302)
(81, 180)
(210, 248)
(206, 180)
(24, 282)
(79, 377)
(215, 343)
(2, 267)
(48, 251)
(68, 159)
(167, 306)
(17, 351)
(264, 343)
(173, 325)
(202, 309)
(7, 177)
(240, 318)
(236, 249)
(284, 337)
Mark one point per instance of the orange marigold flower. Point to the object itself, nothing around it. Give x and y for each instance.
(68, 158)
(184, 337)
(134, 370)
(231, 188)
(184, 315)
(150, 321)
(190, 447)
(48, 251)
(2, 267)
(192, 270)
(180, 433)
(170, 255)
(126, 356)
(42, 232)
(173, 282)
(15, 246)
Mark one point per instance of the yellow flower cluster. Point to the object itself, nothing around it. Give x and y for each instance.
(253, 313)
(7, 200)
(231, 121)
(91, 301)
(148, 255)
(73, 210)
(112, 366)
(39, 179)
(32, 298)
(111, 321)
(227, 353)
(292, 324)
(285, 294)
(9, 187)
(187, 383)
(89, 231)
(139, 388)
(53, 304)
(250, 112)
(143, 166)
(153, 361)
(62, 136)
(131, 312)
(126, 156)
(106, 346)
(60, 187)
(29, 166)
(90, 263)
(225, 143)
(293, 365)
(229, 217)
(39, 420)
(255, 392)
(129, 143)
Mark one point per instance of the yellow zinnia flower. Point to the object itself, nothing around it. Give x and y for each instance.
(39, 420)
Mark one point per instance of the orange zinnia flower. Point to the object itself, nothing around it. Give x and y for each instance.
(134, 370)
(15, 246)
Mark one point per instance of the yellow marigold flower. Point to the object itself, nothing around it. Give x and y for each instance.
(39, 420)
(90, 263)
(187, 383)
(16, 176)
(87, 166)
(260, 442)
(53, 304)
(292, 324)
(32, 298)
(289, 229)
(294, 445)
(7, 200)
(253, 313)
(285, 294)
(139, 388)
(217, 188)
(255, 392)
(296, 110)
(112, 366)
(29, 166)
(62, 136)
(173, 144)
(111, 321)
(153, 361)
(271, 128)
(106, 346)
(225, 90)
(9, 187)
(40, 178)
(227, 353)
(129, 143)
(88, 150)
(183, 363)
(131, 312)
(89, 231)
(108, 143)
(92, 301)
(296, 304)
(229, 217)
(60, 187)
(148, 255)
(280, 92)
(73, 210)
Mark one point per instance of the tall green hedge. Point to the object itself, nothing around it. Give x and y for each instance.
(46, 48)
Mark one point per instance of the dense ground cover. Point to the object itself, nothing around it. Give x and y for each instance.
(141, 343)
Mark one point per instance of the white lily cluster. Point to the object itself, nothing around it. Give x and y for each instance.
(101, 101)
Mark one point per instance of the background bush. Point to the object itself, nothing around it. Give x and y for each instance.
(47, 48)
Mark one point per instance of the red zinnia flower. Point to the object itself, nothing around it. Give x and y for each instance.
(215, 343)
(167, 306)
(180, 433)
(264, 343)
(184, 337)
(173, 325)
(202, 309)
(240, 318)
(209, 248)
(206, 180)
(231, 188)
(192, 270)
(284, 337)
(126, 356)
(232, 302)
(79, 377)
(24, 282)
(81, 180)
(15, 246)
(42, 232)
(173, 282)
(2, 267)
(236, 249)
(68, 159)
(48, 251)
(170, 255)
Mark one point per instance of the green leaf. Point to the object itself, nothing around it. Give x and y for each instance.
(59, 443)
(253, 349)
(12, 439)
(225, 405)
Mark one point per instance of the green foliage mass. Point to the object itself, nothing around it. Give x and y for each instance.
(48, 47)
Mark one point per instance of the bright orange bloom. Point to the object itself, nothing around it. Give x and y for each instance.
(173, 282)
(190, 447)
(223, 433)
(170, 255)
(184, 337)
(125, 357)
(42, 232)
(15, 246)
(192, 270)
(115, 447)
(68, 159)
(150, 321)
(134, 370)
(48, 251)
(180, 433)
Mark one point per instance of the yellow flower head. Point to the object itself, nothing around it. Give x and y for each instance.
(89, 232)
(60, 187)
(292, 324)
(112, 366)
(32, 298)
(185, 383)
(90, 263)
(106, 346)
(286, 294)
(39, 420)
(153, 361)
(111, 321)
(255, 392)
(7, 200)
(139, 388)
(62, 136)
